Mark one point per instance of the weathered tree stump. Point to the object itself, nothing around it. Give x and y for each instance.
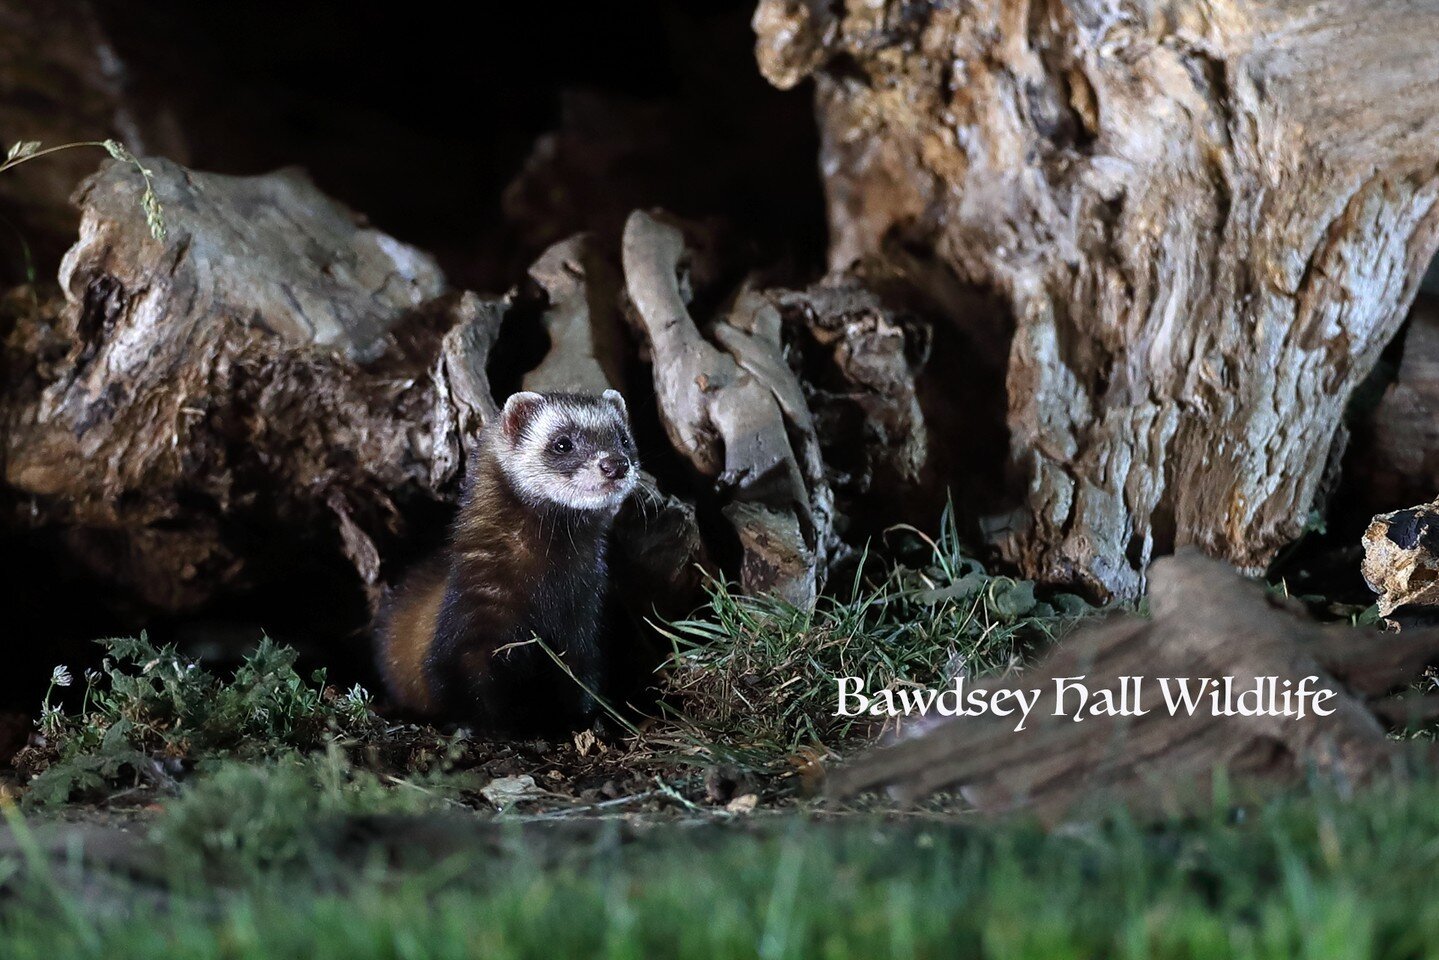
(1205, 222)
(228, 375)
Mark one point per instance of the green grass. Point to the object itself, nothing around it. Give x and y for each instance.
(752, 683)
(753, 679)
(293, 822)
(149, 714)
(1304, 876)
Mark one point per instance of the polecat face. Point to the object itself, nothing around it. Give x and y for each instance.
(569, 450)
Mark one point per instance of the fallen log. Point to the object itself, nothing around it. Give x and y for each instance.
(1207, 623)
(236, 378)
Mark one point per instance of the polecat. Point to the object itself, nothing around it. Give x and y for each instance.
(526, 558)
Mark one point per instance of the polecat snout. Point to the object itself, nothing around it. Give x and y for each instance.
(526, 559)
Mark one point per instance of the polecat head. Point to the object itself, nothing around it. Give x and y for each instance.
(567, 450)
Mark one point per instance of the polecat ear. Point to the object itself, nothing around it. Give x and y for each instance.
(519, 410)
(617, 400)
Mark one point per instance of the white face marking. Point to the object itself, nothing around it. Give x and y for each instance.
(531, 471)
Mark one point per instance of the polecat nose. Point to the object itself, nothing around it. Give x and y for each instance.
(613, 467)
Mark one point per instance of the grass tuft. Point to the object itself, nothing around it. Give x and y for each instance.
(755, 678)
(23, 151)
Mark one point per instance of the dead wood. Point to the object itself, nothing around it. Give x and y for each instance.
(1207, 622)
(1401, 558)
(581, 319)
(464, 401)
(1203, 223)
(228, 375)
(732, 422)
(860, 367)
(272, 385)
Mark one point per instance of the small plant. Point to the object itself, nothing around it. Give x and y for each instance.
(23, 151)
(755, 678)
(150, 711)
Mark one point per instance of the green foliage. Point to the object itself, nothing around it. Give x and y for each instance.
(756, 677)
(237, 819)
(23, 151)
(149, 712)
(1316, 876)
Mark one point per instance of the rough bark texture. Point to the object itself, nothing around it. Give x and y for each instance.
(731, 413)
(218, 376)
(1205, 222)
(1207, 622)
(860, 368)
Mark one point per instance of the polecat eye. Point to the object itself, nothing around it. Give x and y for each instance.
(562, 445)
(624, 442)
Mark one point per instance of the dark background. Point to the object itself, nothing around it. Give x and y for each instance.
(420, 115)
(480, 133)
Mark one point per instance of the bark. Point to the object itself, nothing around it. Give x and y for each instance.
(581, 320)
(228, 375)
(274, 386)
(731, 414)
(1205, 223)
(1207, 622)
(860, 367)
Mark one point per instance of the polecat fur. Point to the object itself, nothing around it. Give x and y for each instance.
(526, 559)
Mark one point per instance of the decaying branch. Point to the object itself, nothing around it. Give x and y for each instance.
(464, 401)
(730, 423)
(1207, 622)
